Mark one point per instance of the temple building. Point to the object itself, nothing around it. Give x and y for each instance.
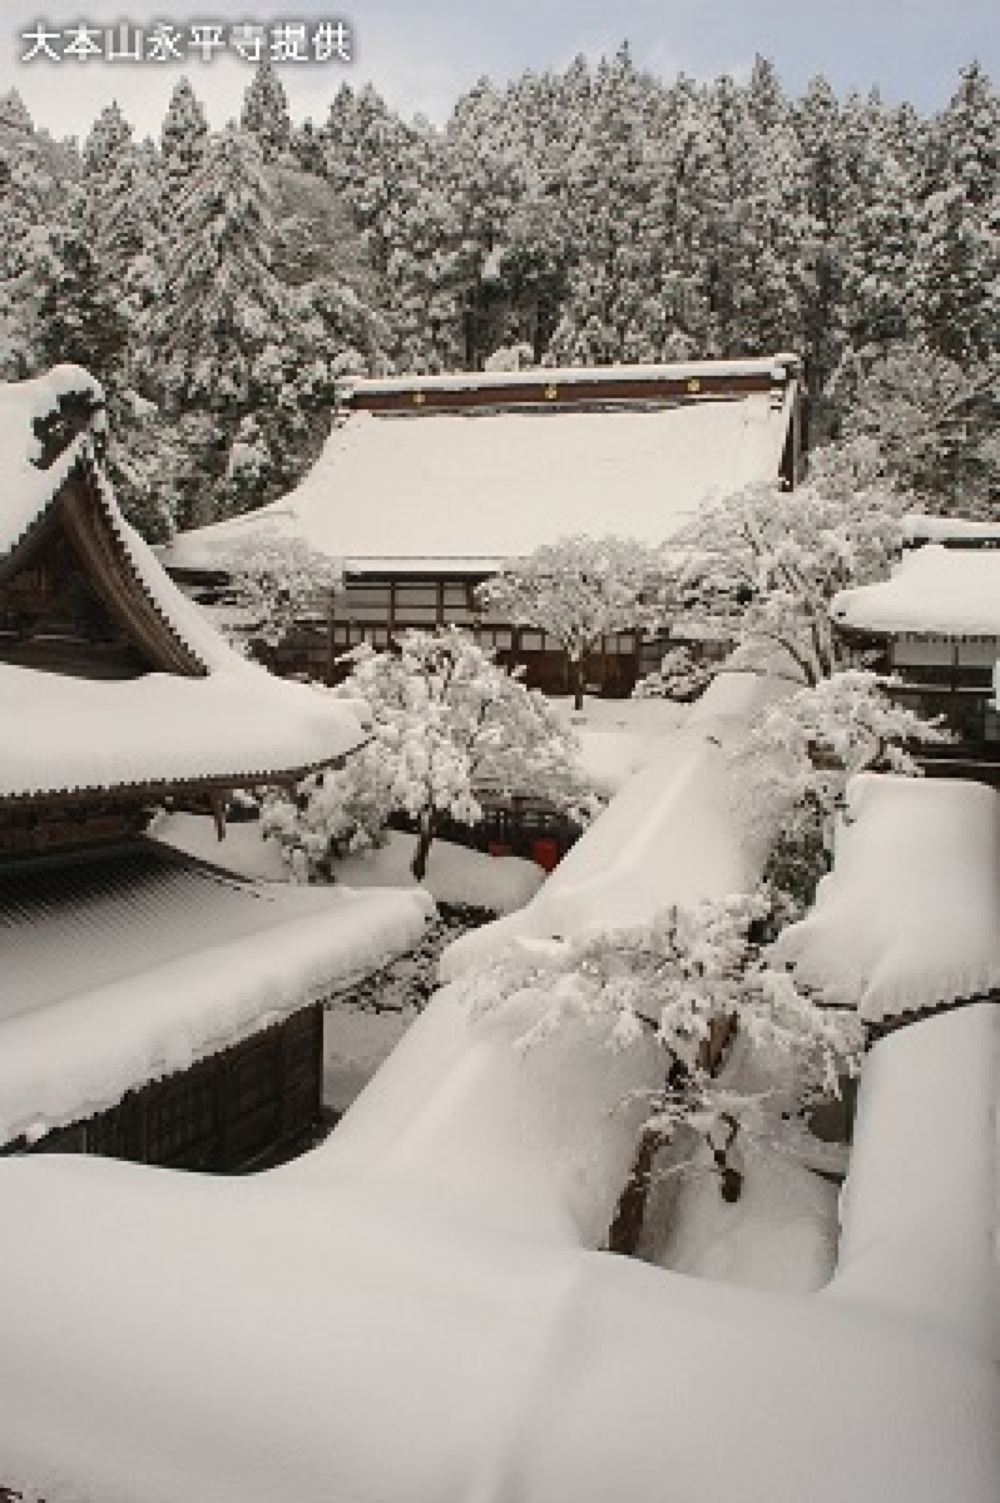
(151, 1006)
(430, 484)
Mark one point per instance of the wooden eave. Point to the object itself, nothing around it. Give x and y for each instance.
(612, 392)
(78, 509)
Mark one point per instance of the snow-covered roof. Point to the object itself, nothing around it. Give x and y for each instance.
(909, 918)
(934, 591)
(26, 488)
(463, 492)
(438, 1328)
(676, 832)
(921, 527)
(918, 1212)
(121, 968)
(61, 734)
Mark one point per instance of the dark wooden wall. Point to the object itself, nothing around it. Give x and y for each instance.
(241, 1109)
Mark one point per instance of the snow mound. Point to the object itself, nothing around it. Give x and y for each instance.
(781, 1234)
(674, 833)
(907, 919)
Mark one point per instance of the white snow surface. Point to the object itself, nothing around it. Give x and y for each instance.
(618, 736)
(466, 492)
(909, 918)
(439, 1330)
(99, 996)
(60, 733)
(455, 874)
(920, 1232)
(242, 850)
(780, 1235)
(934, 590)
(674, 833)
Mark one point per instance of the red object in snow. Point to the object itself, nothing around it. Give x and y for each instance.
(545, 853)
(498, 848)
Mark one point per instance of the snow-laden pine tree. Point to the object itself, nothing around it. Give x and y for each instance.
(958, 250)
(934, 422)
(265, 114)
(580, 589)
(447, 724)
(223, 338)
(183, 138)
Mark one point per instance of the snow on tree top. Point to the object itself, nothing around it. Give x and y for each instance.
(934, 591)
(907, 920)
(465, 493)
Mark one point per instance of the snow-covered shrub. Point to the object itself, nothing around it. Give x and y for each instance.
(797, 759)
(684, 976)
(680, 676)
(448, 723)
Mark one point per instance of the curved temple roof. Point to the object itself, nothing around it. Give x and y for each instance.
(405, 487)
(208, 714)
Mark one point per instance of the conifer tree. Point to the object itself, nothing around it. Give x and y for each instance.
(184, 137)
(265, 113)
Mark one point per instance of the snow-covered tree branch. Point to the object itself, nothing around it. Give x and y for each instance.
(579, 590)
(273, 583)
(795, 763)
(448, 724)
(764, 565)
(682, 977)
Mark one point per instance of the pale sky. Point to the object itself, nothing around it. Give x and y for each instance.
(422, 53)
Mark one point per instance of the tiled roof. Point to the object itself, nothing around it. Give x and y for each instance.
(121, 967)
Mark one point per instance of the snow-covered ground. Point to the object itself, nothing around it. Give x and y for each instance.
(619, 736)
(781, 1234)
(455, 874)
